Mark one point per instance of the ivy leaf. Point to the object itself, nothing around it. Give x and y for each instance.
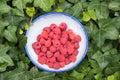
(90, 14)
(4, 8)
(3, 24)
(17, 12)
(20, 4)
(30, 11)
(101, 59)
(114, 5)
(44, 4)
(106, 31)
(101, 9)
(5, 59)
(98, 76)
(111, 77)
(59, 9)
(10, 35)
(78, 76)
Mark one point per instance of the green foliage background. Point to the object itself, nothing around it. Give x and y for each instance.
(101, 19)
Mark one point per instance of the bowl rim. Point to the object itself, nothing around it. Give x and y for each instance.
(84, 30)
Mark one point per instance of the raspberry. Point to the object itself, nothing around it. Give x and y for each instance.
(70, 50)
(48, 43)
(56, 43)
(42, 60)
(51, 35)
(41, 54)
(75, 52)
(72, 36)
(63, 40)
(43, 49)
(57, 30)
(53, 60)
(37, 51)
(56, 65)
(56, 36)
(50, 65)
(47, 29)
(67, 61)
(62, 64)
(63, 50)
(77, 38)
(38, 37)
(49, 54)
(61, 58)
(42, 41)
(52, 49)
(64, 35)
(44, 34)
(72, 58)
(76, 45)
(63, 26)
(53, 26)
(36, 45)
(56, 54)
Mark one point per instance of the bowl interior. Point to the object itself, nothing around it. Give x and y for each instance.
(56, 18)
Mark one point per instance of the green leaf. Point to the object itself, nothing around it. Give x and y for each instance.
(59, 9)
(17, 12)
(44, 4)
(65, 5)
(30, 11)
(10, 35)
(77, 75)
(5, 61)
(90, 14)
(111, 77)
(101, 9)
(61, 1)
(3, 49)
(98, 76)
(114, 5)
(4, 8)
(101, 59)
(3, 24)
(20, 4)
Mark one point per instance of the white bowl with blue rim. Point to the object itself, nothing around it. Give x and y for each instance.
(56, 17)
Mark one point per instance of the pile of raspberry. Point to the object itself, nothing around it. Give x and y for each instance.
(56, 46)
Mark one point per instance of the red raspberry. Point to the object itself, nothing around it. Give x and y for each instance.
(72, 58)
(70, 50)
(56, 54)
(53, 26)
(56, 36)
(57, 30)
(36, 45)
(51, 35)
(43, 49)
(71, 36)
(61, 58)
(52, 48)
(64, 35)
(38, 37)
(42, 60)
(70, 31)
(63, 26)
(63, 40)
(48, 43)
(77, 38)
(56, 43)
(75, 52)
(41, 54)
(67, 61)
(44, 35)
(42, 41)
(62, 64)
(37, 51)
(50, 65)
(56, 65)
(47, 29)
(76, 45)
(53, 60)
(49, 54)
(63, 50)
